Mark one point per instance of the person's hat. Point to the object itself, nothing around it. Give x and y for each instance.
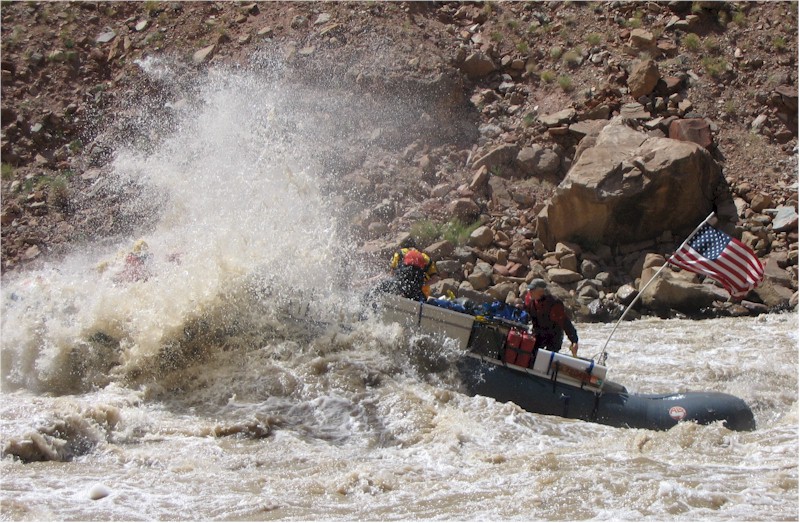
(537, 283)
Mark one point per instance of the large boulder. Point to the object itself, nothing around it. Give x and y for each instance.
(629, 187)
(773, 294)
(669, 291)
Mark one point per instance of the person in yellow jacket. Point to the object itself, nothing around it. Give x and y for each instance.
(412, 270)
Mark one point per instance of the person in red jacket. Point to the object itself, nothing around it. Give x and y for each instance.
(549, 318)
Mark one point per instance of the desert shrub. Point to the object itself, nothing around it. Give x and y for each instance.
(425, 232)
(594, 38)
(714, 66)
(8, 171)
(711, 45)
(565, 83)
(457, 232)
(691, 42)
(572, 58)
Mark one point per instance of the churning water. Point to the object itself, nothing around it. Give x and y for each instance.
(190, 393)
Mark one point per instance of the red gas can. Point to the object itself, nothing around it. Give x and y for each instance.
(526, 350)
(513, 342)
(519, 348)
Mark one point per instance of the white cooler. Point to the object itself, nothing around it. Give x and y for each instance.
(585, 371)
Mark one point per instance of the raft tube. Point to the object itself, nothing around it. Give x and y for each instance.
(613, 406)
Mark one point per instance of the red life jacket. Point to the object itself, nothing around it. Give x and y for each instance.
(542, 315)
(415, 258)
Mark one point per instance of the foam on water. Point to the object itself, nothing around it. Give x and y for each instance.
(193, 395)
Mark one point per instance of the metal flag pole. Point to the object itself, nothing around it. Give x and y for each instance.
(604, 354)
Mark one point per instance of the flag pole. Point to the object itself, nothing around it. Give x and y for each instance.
(603, 353)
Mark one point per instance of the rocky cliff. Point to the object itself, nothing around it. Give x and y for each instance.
(580, 136)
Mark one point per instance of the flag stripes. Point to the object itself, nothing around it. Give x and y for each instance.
(722, 258)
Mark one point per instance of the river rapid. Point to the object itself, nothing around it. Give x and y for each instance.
(190, 393)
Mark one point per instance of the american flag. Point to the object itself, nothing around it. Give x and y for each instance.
(725, 259)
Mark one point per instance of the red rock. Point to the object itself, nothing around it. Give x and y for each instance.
(517, 270)
(502, 270)
(694, 130)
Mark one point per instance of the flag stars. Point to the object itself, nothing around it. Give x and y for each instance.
(710, 242)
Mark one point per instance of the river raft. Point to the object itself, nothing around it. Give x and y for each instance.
(500, 363)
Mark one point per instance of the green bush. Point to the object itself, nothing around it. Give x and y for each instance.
(594, 38)
(8, 171)
(58, 193)
(457, 232)
(739, 18)
(691, 42)
(425, 232)
(779, 43)
(496, 36)
(547, 76)
(150, 6)
(556, 52)
(572, 58)
(636, 21)
(715, 66)
(565, 83)
(522, 47)
(528, 120)
(711, 45)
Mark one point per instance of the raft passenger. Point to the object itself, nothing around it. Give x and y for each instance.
(549, 318)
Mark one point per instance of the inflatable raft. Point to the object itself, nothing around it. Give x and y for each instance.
(500, 363)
